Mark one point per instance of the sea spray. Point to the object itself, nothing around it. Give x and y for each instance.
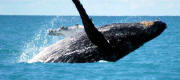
(40, 40)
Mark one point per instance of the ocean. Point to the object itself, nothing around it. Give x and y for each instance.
(23, 37)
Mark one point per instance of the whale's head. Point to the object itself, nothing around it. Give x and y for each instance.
(130, 36)
(142, 31)
(151, 29)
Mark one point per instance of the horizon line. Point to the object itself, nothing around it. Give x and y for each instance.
(78, 15)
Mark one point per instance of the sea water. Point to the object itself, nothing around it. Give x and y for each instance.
(23, 37)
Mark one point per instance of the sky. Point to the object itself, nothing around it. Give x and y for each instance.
(93, 7)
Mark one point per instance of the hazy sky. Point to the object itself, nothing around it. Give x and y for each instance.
(93, 7)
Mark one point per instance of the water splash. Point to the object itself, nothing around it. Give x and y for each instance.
(40, 40)
(102, 61)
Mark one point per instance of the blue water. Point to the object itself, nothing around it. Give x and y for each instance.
(23, 37)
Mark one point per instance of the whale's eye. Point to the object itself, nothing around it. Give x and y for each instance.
(147, 23)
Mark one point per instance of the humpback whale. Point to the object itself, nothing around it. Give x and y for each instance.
(109, 42)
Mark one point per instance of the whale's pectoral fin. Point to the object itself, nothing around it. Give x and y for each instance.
(93, 34)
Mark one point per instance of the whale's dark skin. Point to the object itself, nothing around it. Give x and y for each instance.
(110, 42)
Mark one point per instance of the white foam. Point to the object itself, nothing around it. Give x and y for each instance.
(102, 61)
(66, 31)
